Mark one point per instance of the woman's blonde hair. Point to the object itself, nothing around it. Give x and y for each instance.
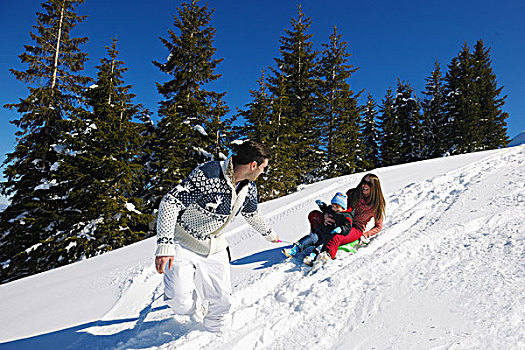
(377, 200)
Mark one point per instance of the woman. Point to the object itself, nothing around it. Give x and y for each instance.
(319, 232)
(368, 202)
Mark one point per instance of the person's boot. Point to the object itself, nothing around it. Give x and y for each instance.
(291, 252)
(309, 259)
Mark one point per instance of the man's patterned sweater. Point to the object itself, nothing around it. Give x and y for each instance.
(196, 212)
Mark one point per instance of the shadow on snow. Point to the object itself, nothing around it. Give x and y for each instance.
(266, 258)
(77, 337)
(162, 331)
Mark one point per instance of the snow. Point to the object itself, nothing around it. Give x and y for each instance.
(5, 264)
(55, 166)
(447, 272)
(204, 153)
(33, 247)
(238, 142)
(46, 185)
(71, 245)
(21, 216)
(89, 228)
(200, 129)
(59, 148)
(518, 140)
(131, 207)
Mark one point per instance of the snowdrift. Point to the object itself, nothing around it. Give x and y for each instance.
(447, 272)
(518, 140)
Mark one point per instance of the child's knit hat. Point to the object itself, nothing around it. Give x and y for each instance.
(340, 199)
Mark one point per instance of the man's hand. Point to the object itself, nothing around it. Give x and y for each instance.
(160, 262)
(276, 240)
(328, 219)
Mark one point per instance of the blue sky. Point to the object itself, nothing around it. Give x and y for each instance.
(387, 39)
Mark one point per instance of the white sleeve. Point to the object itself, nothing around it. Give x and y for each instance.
(253, 216)
(173, 203)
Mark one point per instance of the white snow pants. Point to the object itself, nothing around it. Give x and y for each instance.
(208, 278)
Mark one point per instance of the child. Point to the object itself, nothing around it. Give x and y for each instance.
(320, 232)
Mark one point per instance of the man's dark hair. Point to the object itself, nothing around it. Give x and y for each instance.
(250, 151)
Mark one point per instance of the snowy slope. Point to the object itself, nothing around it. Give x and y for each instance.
(447, 272)
(518, 140)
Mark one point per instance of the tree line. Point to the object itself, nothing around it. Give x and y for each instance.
(90, 165)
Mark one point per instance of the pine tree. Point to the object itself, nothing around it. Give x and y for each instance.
(406, 107)
(473, 104)
(258, 125)
(462, 107)
(282, 178)
(103, 172)
(147, 192)
(219, 129)
(293, 87)
(54, 81)
(337, 109)
(370, 135)
(492, 122)
(256, 116)
(435, 128)
(181, 137)
(391, 132)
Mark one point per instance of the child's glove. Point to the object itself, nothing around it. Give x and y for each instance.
(336, 231)
(319, 202)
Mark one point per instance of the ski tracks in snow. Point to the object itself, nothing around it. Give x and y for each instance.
(475, 269)
(377, 298)
(385, 286)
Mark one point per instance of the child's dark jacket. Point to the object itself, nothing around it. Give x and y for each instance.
(343, 219)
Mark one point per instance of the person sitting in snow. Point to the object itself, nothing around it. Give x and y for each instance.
(321, 231)
(368, 202)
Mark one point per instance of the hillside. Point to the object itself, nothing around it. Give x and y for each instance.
(447, 272)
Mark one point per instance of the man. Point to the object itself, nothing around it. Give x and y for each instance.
(190, 225)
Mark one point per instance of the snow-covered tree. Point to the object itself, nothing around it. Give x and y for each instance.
(435, 128)
(406, 108)
(182, 137)
(281, 179)
(338, 113)
(390, 132)
(369, 135)
(219, 129)
(473, 102)
(256, 115)
(54, 79)
(493, 118)
(462, 108)
(293, 86)
(103, 172)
